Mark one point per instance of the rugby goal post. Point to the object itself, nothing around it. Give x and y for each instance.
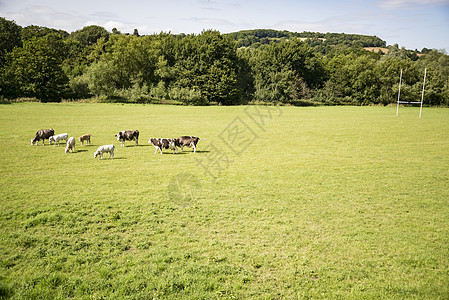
(409, 102)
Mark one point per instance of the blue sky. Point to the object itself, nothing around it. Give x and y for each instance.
(412, 24)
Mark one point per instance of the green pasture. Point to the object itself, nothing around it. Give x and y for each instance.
(278, 203)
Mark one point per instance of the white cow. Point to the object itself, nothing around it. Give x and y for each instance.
(70, 145)
(58, 137)
(105, 149)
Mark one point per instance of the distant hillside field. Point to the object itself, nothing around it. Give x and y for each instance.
(377, 49)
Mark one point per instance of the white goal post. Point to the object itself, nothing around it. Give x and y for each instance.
(408, 102)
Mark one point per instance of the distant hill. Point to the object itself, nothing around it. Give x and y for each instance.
(323, 42)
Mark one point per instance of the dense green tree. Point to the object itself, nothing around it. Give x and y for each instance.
(284, 71)
(437, 80)
(89, 35)
(39, 31)
(353, 78)
(10, 37)
(35, 70)
(100, 78)
(208, 62)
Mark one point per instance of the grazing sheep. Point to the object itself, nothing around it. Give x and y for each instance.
(70, 146)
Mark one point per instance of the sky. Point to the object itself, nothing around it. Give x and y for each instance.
(413, 24)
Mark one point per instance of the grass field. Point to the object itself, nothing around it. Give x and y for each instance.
(319, 202)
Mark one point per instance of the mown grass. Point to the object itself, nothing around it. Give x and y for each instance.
(321, 202)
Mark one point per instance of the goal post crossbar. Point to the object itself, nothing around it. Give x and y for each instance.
(411, 102)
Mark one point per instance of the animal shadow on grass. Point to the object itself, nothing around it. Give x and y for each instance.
(110, 159)
(202, 151)
(80, 150)
(140, 145)
(171, 153)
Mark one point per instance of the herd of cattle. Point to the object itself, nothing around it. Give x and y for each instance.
(122, 136)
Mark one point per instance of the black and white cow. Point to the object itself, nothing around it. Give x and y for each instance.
(187, 141)
(160, 144)
(128, 135)
(42, 134)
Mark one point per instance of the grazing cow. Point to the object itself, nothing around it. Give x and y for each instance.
(105, 149)
(58, 137)
(187, 141)
(42, 135)
(70, 146)
(160, 144)
(85, 138)
(128, 135)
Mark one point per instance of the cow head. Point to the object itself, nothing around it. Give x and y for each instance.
(118, 136)
(51, 139)
(96, 154)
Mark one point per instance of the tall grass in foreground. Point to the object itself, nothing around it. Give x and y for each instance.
(326, 202)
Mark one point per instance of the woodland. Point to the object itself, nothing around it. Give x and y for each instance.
(210, 68)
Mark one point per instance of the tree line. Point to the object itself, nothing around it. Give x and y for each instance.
(211, 68)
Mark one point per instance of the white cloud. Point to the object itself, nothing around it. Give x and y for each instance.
(409, 4)
(128, 27)
(211, 21)
(46, 16)
(360, 25)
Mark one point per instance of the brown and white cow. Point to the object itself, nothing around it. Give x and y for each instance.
(160, 144)
(42, 134)
(85, 138)
(128, 135)
(187, 141)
